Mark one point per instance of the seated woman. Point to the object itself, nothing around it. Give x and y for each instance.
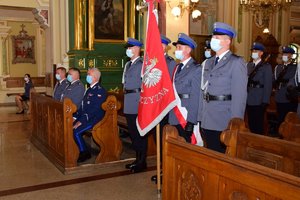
(22, 98)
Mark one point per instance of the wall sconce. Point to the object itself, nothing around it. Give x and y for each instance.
(189, 5)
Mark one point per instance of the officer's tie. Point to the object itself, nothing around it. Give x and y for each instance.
(179, 68)
(129, 64)
(217, 60)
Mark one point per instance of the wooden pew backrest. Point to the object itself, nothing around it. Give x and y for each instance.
(52, 130)
(270, 152)
(15, 82)
(192, 172)
(106, 132)
(290, 128)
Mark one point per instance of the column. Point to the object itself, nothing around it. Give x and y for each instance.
(41, 47)
(59, 30)
(4, 64)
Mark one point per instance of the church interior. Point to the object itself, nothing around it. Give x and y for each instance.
(37, 151)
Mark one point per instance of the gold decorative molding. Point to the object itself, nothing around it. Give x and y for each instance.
(81, 62)
(78, 16)
(91, 24)
(110, 63)
(91, 63)
(132, 19)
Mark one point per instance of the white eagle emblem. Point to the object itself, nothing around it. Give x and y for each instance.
(151, 75)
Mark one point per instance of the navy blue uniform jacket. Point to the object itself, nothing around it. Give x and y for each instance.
(90, 111)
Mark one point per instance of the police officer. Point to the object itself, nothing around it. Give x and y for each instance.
(284, 76)
(259, 88)
(61, 84)
(171, 64)
(187, 85)
(208, 53)
(132, 87)
(75, 90)
(224, 87)
(90, 112)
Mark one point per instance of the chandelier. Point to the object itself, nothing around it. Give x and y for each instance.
(263, 9)
(185, 5)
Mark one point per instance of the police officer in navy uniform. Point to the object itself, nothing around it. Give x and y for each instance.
(284, 76)
(171, 64)
(61, 84)
(132, 82)
(224, 87)
(90, 112)
(259, 88)
(75, 90)
(187, 85)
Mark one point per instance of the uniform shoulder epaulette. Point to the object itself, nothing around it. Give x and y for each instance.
(236, 56)
(140, 60)
(169, 58)
(195, 63)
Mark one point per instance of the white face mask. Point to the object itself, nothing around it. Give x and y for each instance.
(129, 53)
(285, 58)
(179, 54)
(255, 55)
(215, 44)
(207, 54)
(57, 76)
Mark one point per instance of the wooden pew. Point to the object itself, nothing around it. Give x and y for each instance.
(270, 152)
(107, 137)
(290, 128)
(192, 172)
(52, 131)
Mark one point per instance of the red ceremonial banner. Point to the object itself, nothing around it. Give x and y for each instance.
(157, 93)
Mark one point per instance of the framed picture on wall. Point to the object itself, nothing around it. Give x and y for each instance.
(203, 25)
(110, 20)
(23, 47)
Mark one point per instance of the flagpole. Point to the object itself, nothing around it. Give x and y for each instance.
(158, 159)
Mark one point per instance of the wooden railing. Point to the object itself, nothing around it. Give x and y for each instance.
(192, 172)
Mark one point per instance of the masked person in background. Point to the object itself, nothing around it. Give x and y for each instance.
(22, 98)
(75, 90)
(259, 88)
(284, 77)
(61, 84)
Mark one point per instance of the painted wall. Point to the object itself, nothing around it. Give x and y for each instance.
(19, 69)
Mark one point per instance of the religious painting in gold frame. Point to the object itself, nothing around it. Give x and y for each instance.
(23, 47)
(110, 21)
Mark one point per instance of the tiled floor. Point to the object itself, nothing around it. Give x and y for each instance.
(26, 174)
